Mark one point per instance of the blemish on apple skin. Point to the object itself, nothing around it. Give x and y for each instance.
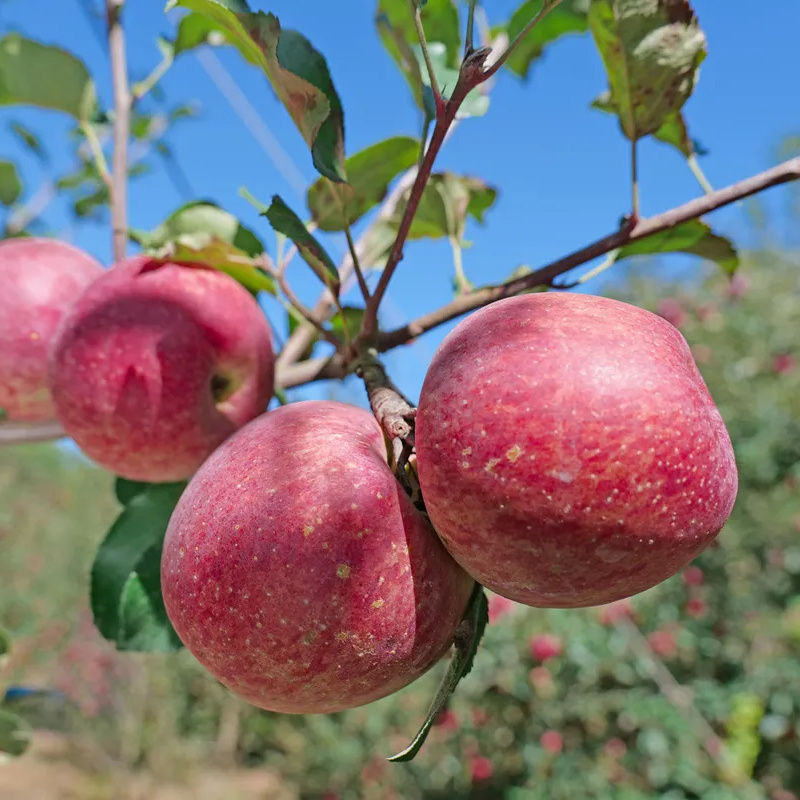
(491, 464)
(377, 603)
(342, 571)
(514, 453)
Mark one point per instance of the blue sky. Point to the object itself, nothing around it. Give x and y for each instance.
(562, 169)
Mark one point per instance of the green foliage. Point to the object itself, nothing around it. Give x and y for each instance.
(126, 584)
(202, 231)
(652, 52)
(286, 222)
(333, 205)
(10, 183)
(48, 77)
(298, 74)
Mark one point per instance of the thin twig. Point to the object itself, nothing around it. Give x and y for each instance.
(139, 90)
(548, 6)
(469, 38)
(98, 156)
(393, 411)
(416, 10)
(297, 304)
(308, 371)
(122, 110)
(26, 432)
(362, 283)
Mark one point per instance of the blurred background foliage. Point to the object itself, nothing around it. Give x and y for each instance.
(690, 690)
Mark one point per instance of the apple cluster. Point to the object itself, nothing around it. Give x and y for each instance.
(568, 453)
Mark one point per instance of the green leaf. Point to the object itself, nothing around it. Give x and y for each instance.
(349, 325)
(468, 636)
(15, 734)
(195, 30)
(285, 221)
(569, 17)
(693, 237)
(652, 52)
(29, 139)
(125, 587)
(126, 490)
(5, 647)
(446, 203)
(398, 34)
(369, 173)
(298, 73)
(10, 183)
(35, 74)
(202, 231)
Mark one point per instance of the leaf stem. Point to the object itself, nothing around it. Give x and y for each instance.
(423, 43)
(139, 90)
(700, 177)
(122, 109)
(458, 262)
(547, 7)
(362, 284)
(301, 309)
(98, 156)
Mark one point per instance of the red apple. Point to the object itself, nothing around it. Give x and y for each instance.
(552, 741)
(569, 452)
(693, 576)
(157, 364)
(663, 643)
(480, 769)
(300, 574)
(39, 280)
(544, 647)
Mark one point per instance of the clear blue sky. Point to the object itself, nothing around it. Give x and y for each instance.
(562, 168)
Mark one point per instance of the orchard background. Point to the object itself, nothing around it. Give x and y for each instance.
(691, 690)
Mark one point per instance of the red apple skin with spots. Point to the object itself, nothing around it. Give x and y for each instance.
(39, 280)
(569, 452)
(158, 363)
(299, 573)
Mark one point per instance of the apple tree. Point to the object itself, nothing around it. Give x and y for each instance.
(317, 556)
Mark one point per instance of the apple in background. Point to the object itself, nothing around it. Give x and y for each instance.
(39, 280)
(157, 363)
(299, 573)
(545, 646)
(569, 452)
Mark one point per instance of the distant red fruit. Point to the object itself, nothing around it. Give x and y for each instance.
(480, 769)
(447, 720)
(479, 717)
(739, 285)
(663, 643)
(672, 311)
(615, 612)
(784, 363)
(615, 748)
(499, 607)
(552, 742)
(544, 647)
(693, 576)
(696, 608)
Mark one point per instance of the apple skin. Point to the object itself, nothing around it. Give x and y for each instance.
(299, 573)
(138, 364)
(39, 280)
(569, 452)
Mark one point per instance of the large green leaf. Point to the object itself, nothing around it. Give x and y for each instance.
(569, 17)
(125, 584)
(298, 73)
(10, 183)
(35, 74)
(195, 30)
(369, 173)
(202, 231)
(15, 734)
(398, 33)
(694, 237)
(652, 50)
(285, 221)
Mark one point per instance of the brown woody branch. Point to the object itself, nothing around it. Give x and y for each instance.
(122, 112)
(393, 412)
(335, 367)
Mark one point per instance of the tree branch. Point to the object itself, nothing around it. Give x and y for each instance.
(335, 367)
(122, 108)
(393, 412)
(26, 432)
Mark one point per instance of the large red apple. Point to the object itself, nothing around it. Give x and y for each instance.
(300, 574)
(569, 452)
(157, 363)
(39, 280)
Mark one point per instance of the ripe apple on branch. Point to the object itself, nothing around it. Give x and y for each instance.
(315, 557)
